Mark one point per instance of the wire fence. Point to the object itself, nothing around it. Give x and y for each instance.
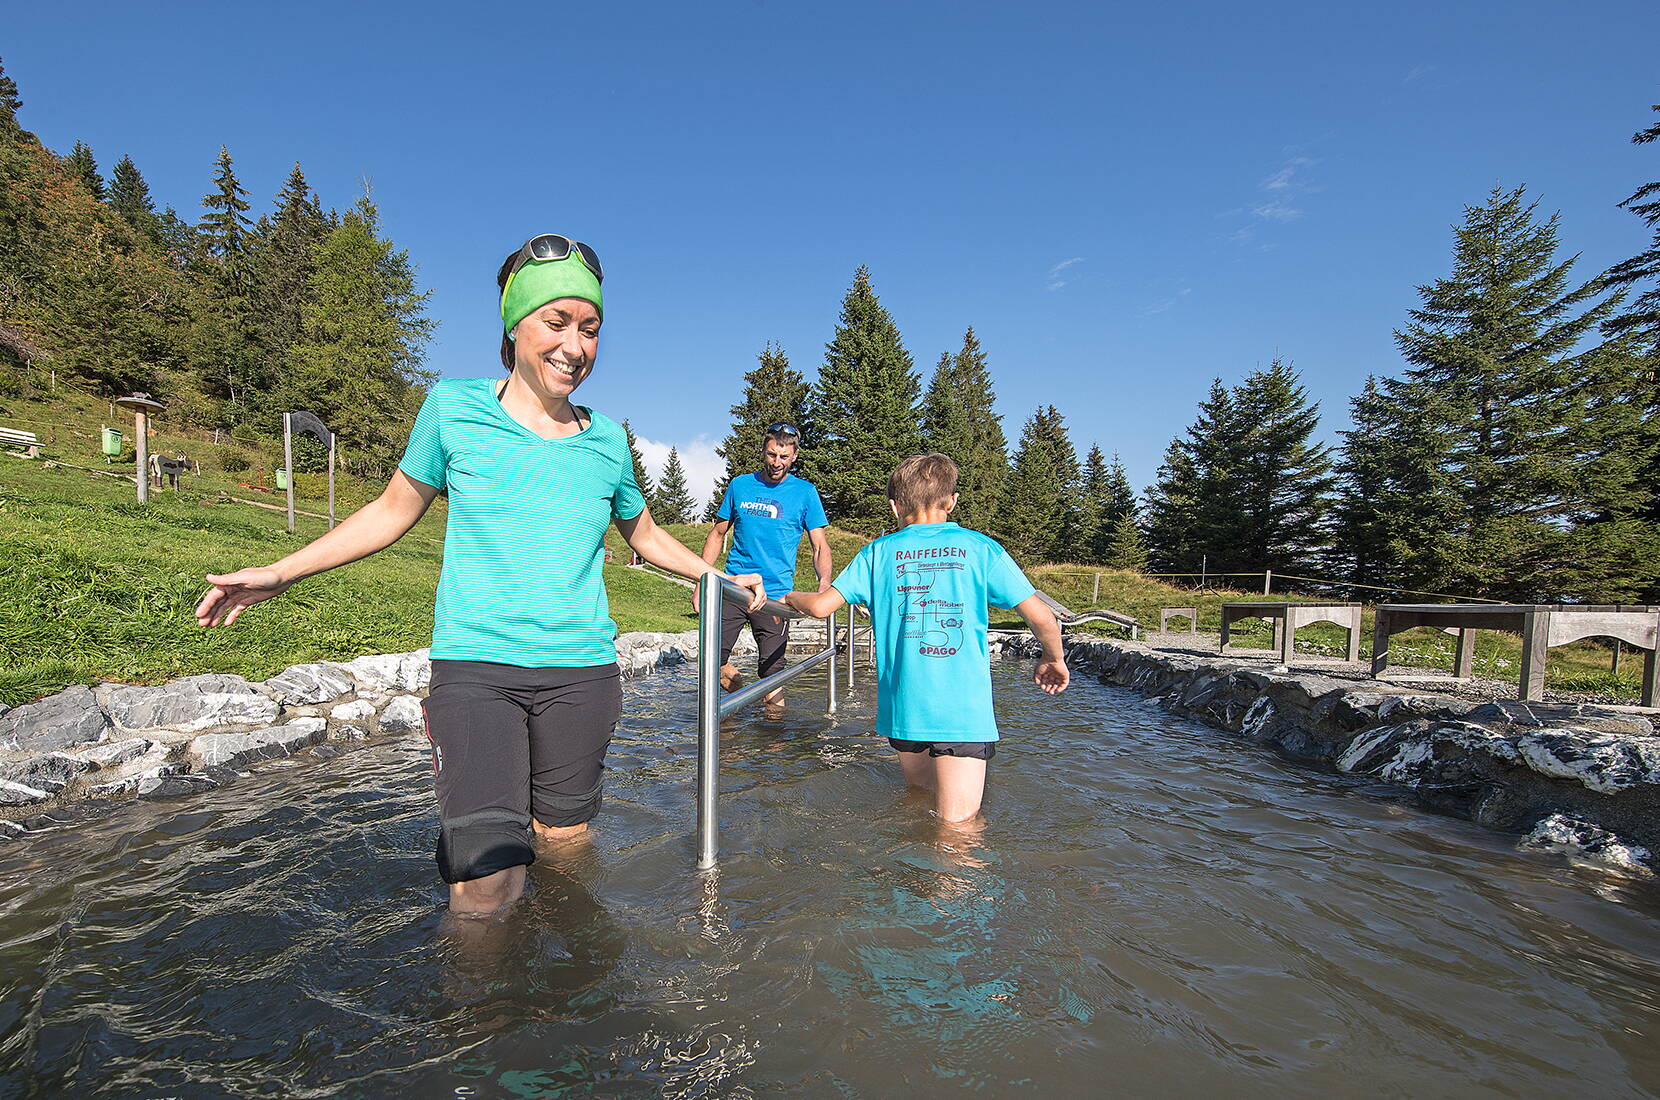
(1267, 578)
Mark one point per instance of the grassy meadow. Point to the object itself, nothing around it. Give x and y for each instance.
(94, 586)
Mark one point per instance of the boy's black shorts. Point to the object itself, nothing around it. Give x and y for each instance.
(971, 750)
(509, 743)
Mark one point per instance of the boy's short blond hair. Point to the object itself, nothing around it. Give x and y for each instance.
(921, 482)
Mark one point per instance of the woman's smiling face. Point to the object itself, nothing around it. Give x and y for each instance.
(554, 347)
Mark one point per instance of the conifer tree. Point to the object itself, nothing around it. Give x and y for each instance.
(10, 102)
(774, 393)
(1105, 498)
(711, 507)
(1125, 550)
(129, 196)
(641, 478)
(1187, 517)
(673, 503)
(85, 168)
(944, 418)
(864, 407)
(283, 262)
(1641, 273)
(1072, 534)
(1282, 485)
(358, 362)
(1032, 515)
(1544, 452)
(224, 227)
(981, 478)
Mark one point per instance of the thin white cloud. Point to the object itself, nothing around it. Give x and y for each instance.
(698, 456)
(1281, 191)
(1170, 302)
(1417, 73)
(1054, 277)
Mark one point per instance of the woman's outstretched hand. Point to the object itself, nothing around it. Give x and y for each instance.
(232, 593)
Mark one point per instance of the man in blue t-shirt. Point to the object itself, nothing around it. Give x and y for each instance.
(767, 513)
(928, 585)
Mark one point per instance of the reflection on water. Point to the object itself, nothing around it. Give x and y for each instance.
(1150, 907)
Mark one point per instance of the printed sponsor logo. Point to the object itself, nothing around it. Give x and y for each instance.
(766, 508)
(938, 651)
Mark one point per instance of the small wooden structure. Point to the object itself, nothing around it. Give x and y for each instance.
(1541, 626)
(1067, 617)
(17, 437)
(142, 406)
(1289, 617)
(1191, 614)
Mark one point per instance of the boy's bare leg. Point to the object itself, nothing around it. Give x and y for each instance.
(479, 897)
(918, 769)
(557, 834)
(960, 785)
(729, 677)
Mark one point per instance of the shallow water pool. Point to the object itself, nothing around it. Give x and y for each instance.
(1151, 908)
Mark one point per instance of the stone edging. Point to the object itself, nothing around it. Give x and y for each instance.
(78, 753)
(1577, 779)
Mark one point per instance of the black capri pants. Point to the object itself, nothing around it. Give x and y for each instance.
(772, 634)
(509, 743)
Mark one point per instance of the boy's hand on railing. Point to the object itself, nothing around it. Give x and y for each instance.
(1052, 676)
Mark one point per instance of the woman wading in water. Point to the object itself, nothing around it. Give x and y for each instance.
(525, 688)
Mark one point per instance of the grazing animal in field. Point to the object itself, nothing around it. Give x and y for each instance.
(164, 469)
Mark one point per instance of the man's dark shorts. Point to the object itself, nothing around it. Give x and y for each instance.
(509, 743)
(972, 750)
(772, 634)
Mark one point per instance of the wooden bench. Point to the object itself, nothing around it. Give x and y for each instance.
(1288, 617)
(1541, 625)
(1191, 614)
(16, 437)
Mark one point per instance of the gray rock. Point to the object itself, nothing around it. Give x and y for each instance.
(348, 731)
(195, 703)
(1584, 842)
(70, 717)
(354, 711)
(235, 749)
(314, 683)
(20, 794)
(394, 672)
(51, 773)
(1602, 762)
(174, 786)
(114, 752)
(403, 715)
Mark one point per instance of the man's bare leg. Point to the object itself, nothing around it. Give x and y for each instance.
(557, 834)
(480, 897)
(729, 677)
(960, 786)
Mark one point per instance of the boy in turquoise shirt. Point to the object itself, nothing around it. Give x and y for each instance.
(928, 585)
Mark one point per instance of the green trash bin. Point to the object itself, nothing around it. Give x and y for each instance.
(282, 477)
(112, 441)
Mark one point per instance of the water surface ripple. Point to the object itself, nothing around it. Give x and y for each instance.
(1152, 907)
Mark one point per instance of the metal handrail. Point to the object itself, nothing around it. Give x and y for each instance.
(711, 708)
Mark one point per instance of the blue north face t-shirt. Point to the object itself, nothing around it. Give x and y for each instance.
(767, 524)
(927, 587)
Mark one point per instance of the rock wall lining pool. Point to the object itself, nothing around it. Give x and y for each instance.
(1581, 780)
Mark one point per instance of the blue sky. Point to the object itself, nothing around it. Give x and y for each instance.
(1124, 202)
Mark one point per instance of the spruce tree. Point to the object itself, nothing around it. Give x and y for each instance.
(1189, 516)
(358, 361)
(982, 476)
(1545, 452)
(10, 102)
(641, 478)
(1125, 549)
(129, 196)
(85, 168)
(1641, 273)
(1049, 427)
(283, 262)
(944, 417)
(224, 226)
(673, 503)
(1095, 526)
(1032, 519)
(864, 406)
(774, 393)
(1282, 484)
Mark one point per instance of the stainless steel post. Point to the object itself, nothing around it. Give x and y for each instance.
(830, 640)
(708, 717)
(852, 644)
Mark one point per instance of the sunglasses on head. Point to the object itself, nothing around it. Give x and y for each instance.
(783, 429)
(552, 246)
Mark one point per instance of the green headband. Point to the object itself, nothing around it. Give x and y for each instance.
(539, 282)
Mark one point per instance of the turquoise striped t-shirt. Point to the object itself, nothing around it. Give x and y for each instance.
(521, 582)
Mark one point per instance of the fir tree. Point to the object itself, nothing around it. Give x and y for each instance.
(358, 362)
(673, 503)
(1106, 498)
(129, 196)
(864, 406)
(641, 478)
(1125, 549)
(283, 261)
(1032, 514)
(1072, 532)
(981, 477)
(1641, 273)
(773, 394)
(711, 508)
(944, 417)
(85, 168)
(1543, 449)
(1282, 485)
(224, 227)
(10, 102)
(1187, 508)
